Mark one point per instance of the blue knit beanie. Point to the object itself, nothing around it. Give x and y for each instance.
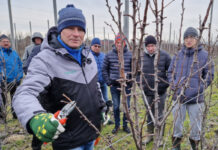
(71, 16)
(96, 41)
(190, 31)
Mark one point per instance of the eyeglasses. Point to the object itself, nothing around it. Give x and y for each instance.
(97, 46)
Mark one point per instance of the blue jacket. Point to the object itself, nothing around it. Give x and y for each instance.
(13, 65)
(180, 69)
(99, 58)
(110, 70)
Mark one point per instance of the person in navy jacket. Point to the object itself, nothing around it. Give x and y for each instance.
(190, 65)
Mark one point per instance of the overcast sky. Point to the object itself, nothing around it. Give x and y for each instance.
(39, 11)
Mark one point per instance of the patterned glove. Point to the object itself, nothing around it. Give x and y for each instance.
(46, 127)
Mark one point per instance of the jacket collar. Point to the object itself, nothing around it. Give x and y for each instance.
(6, 49)
(190, 51)
(125, 49)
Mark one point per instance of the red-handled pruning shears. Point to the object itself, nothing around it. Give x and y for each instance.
(62, 114)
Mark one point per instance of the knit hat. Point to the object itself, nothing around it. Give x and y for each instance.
(96, 41)
(118, 38)
(71, 16)
(150, 40)
(190, 31)
(3, 36)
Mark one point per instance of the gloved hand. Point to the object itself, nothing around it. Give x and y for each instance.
(105, 117)
(46, 127)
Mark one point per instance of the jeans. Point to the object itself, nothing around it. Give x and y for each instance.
(104, 91)
(88, 146)
(195, 112)
(115, 93)
(150, 99)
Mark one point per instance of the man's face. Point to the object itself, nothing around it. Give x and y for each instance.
(5, 43)
(73, 36)
(96, 48)
(37, 41)
(118, 45)
(151, 48)
(190, 42)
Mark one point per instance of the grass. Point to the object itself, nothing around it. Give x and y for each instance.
(20, 140)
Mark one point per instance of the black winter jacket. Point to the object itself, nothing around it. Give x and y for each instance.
(148, 71)
(110, 69)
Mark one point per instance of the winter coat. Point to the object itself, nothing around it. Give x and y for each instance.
(52, 73)
(27, 52)
(148, 72)
(28, 49)
(34, 52)
(13, 65)
(99, 58)
(110, 70)
(180, 69)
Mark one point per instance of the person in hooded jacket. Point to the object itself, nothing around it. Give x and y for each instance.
(37, 39)
(63, 66)
(190, 66)
(35, 51)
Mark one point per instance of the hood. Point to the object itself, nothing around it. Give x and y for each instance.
(37, 35)
(50, 41)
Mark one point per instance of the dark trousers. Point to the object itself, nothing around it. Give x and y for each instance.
(36, 143)
(150, 99)
(115, 93)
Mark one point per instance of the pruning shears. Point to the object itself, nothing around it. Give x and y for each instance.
(61, 115)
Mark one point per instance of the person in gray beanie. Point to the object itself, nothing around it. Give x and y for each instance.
(200, 77)
(190, 32)
(63, 66)
(37, 39)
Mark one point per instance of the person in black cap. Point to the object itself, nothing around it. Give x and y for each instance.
(63, 66)
(150, 52)
(199, 76)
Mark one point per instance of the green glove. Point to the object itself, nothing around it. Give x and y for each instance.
(46, 127)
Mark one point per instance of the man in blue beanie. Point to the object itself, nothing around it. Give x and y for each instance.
(191, 64)
(99, 58)
(63, 66)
